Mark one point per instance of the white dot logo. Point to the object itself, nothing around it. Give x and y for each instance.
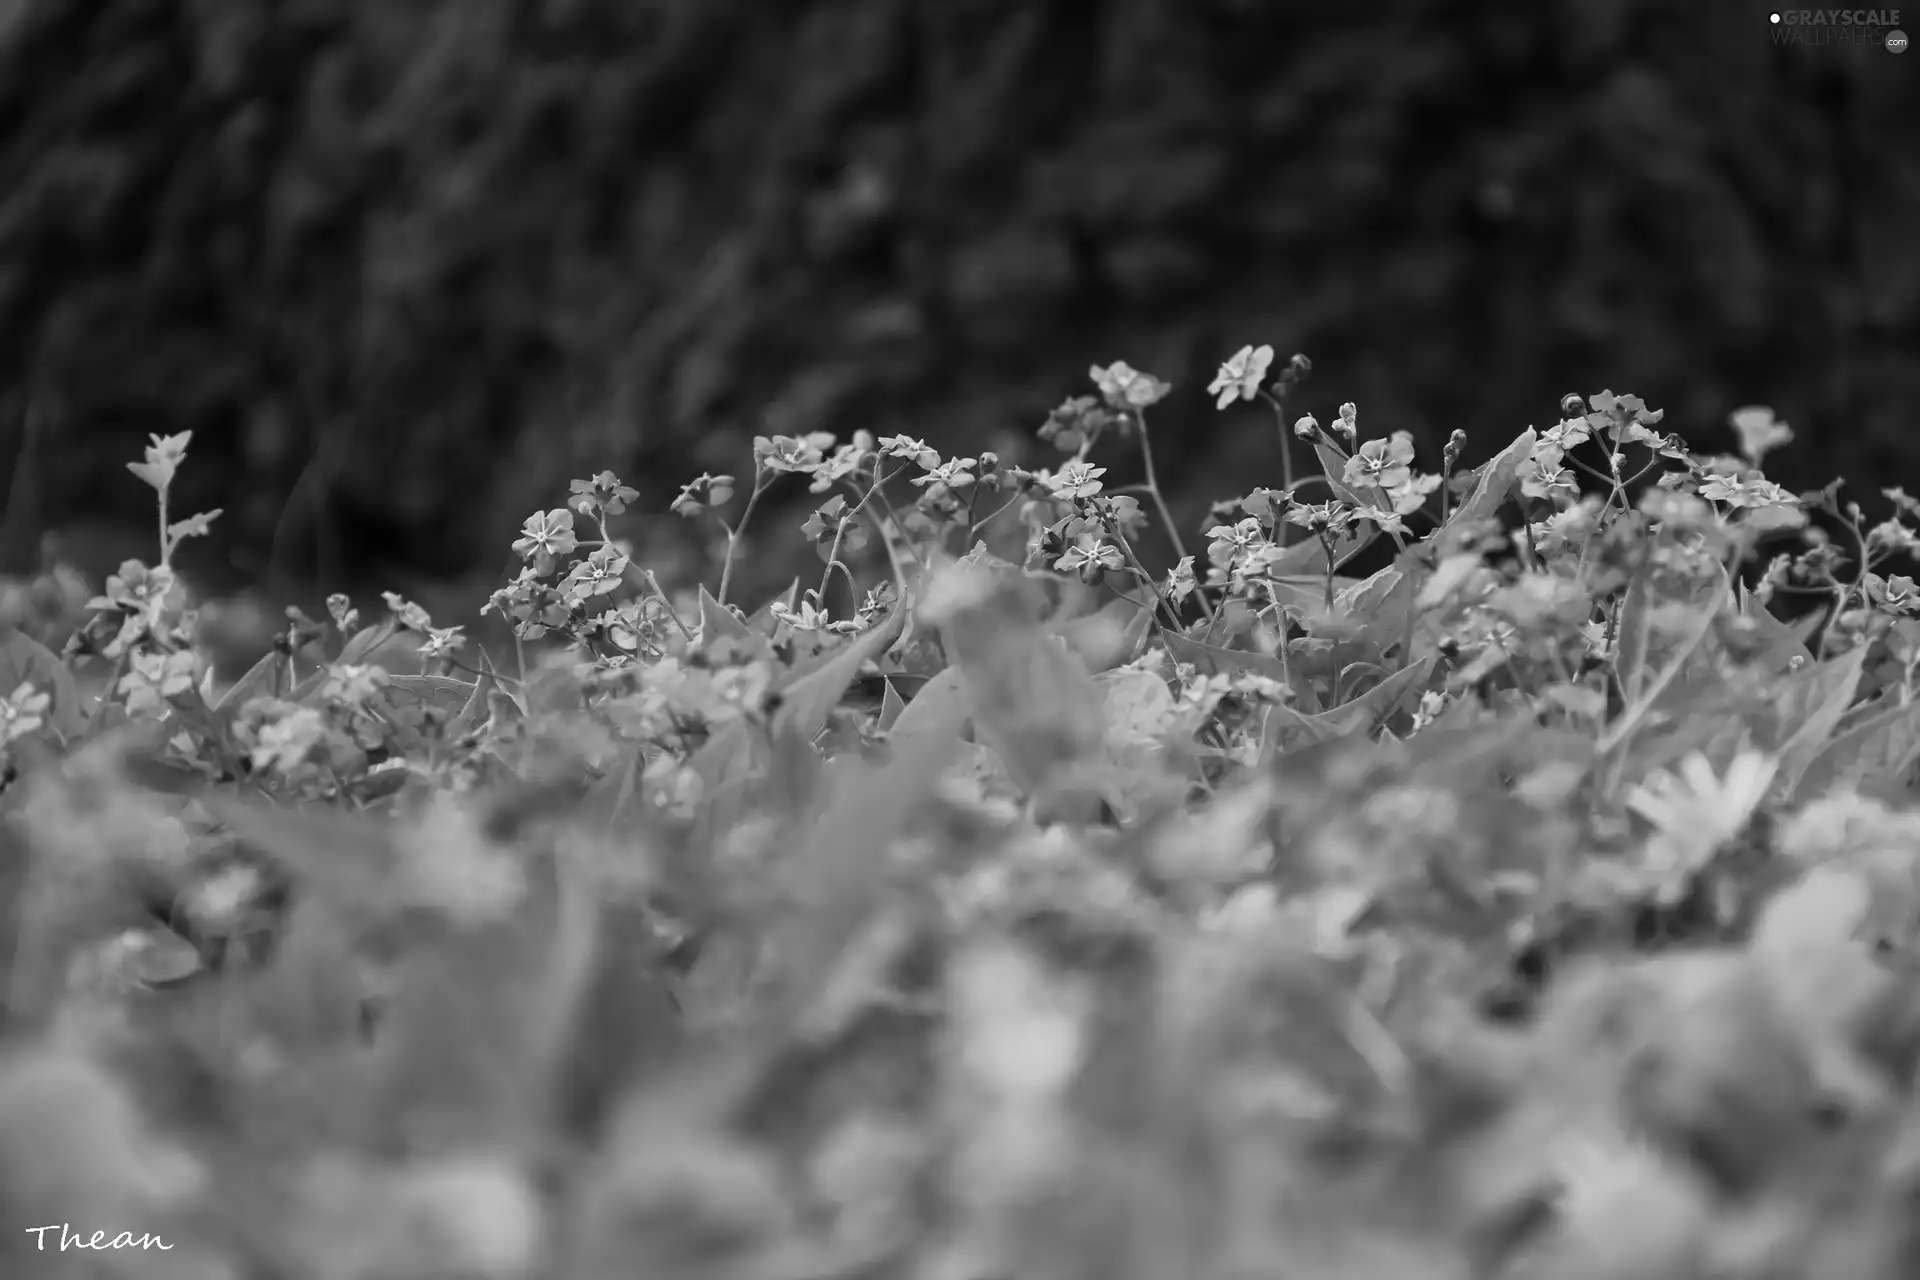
(1774, 18)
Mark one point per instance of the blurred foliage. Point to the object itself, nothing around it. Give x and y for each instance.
(401, 267)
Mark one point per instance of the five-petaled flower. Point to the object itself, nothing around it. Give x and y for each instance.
(1322, 518)
(1076, 480)
(792, 453)
(955, 473)
(142, 592)
(1089, 553)
(1381, 464)
(1895, 592)
(908, 449)
(442, 642)
(1240, 377)
(603, 493)
(1125, 387)
(598, 575)
(1227, 542)
(1180, 580)
(1747, 491)
(545, 536)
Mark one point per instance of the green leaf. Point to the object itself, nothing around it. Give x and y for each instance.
(1106, 637)
(1495, 482)
(891, 705)
(1304, 597)
(1139, 705)
(1335, 466)
(1228, 662)
(939, 711)
(835, 877)
(1284, 729)
(719, 622)
(445, 692)
(1784, 643)
(1225, 661)
(24, 660)
(1646, 618)
(761, 621)
(360, 646)
(1815, 699)
(806, 702)
(1033, 701)
(1379, 604)
(1379, 703)
(1358, 538)
(1877, 750)
(262, 678)
(475, 709)
(1308, 559)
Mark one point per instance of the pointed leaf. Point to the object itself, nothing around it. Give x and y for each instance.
(891, 705)
(445, 692)
(1877, 750)
(807, 701)
(1379, 703)
(1106, 637)
(1495, 482)
(1227, 662)
(1815, 698)
(1285, 729)
(361, 645)
(475, 711)
(1033, 701)
(262, 678)
(940, 710)
(719, 622)
(761, 621)
(1139, 705)
(836, 876)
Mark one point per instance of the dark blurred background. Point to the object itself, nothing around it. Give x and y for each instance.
(404, 267)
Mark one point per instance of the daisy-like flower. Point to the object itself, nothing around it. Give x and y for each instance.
(1694, 810)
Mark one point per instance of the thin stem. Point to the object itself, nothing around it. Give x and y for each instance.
(1160, 501)
(760, 483)
(839, 532)
(653, 584)
(993, 515)
(1146, 579)
(1286, 438)
(1153, 486)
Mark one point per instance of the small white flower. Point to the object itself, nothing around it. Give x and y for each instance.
(1240, 377)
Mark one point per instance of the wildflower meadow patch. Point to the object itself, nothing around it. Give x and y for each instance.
(1539, 903)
